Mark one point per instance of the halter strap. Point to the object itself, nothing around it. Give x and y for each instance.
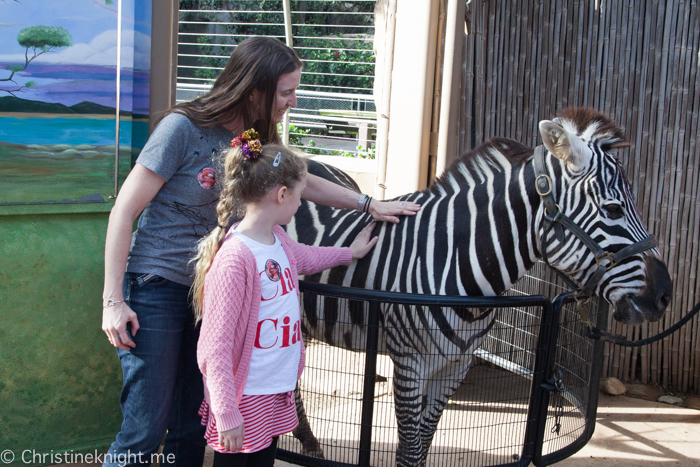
(545, 188)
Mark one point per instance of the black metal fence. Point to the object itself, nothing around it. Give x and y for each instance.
(530, 394)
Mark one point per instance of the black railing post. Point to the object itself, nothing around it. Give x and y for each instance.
(537, 392)
(596, 369)
(550, 352)
(369, 382)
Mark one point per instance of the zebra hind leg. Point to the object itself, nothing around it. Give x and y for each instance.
(310, 445)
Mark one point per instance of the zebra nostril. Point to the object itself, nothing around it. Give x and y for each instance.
(662, 300)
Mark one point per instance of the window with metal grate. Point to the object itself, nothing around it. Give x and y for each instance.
(336, 113)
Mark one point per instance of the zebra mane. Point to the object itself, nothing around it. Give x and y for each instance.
(594, 126)
(588, 124)
(513, 151)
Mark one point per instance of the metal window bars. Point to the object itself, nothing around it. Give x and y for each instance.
(335, 114)
(530, 395)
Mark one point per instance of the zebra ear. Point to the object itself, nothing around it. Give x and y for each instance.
(563, 145)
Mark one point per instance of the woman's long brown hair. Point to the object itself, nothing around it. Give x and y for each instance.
(256, 63)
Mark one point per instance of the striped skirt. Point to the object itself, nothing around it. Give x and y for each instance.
(264, 418)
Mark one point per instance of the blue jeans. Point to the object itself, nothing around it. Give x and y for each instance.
(162, 384)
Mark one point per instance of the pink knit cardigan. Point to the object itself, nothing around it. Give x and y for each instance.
(232, 292)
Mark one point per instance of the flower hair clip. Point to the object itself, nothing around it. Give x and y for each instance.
(249, 143)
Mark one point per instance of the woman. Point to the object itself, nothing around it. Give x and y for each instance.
(147, 314)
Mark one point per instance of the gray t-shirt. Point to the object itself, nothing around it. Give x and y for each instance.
(184, 210)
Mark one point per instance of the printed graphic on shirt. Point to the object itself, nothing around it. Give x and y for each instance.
(272, 269)
(285, 286)
(201, 224)
(207, 178)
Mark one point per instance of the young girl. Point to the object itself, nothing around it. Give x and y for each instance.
(250, 349)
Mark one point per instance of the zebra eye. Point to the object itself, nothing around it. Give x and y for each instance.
(614, 211)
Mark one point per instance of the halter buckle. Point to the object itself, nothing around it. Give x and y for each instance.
(583, 308)
(543, 185)
(606, 256)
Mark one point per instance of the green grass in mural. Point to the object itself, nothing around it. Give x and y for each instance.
(59, 173)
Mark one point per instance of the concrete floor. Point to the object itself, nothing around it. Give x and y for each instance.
(629, 432)
(636, 433)
(633, 432)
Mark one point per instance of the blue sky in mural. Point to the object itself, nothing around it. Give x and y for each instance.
(84, 71)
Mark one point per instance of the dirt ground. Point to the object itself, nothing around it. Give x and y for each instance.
(637, 433)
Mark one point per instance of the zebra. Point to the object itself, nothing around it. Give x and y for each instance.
(483, 224)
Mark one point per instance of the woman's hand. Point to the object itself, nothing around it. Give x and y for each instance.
(114, 319)
(363, 243)
(232, 439)
(388, 210)
(328, 193)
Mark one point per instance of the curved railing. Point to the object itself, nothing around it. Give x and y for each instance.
(530, 397)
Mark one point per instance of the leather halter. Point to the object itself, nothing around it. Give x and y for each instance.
(555, 219)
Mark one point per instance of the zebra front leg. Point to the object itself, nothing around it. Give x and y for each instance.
(310, 445)
(408, 400)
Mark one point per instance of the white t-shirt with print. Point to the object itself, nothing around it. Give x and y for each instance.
(274, 363)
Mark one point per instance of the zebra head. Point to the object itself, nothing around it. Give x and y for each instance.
(595, 195)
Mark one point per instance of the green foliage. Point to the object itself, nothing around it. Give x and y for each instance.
(331, 65)
(44, 37)
(341, 153)
(15, 68)
(30, 84)
(295, 134)
(207, 48)
(332, 46)
(368, 153)
(313, 149)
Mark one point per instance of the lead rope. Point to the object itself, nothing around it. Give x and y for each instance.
(618, 339)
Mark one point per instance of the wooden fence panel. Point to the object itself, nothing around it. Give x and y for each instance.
(637, 62)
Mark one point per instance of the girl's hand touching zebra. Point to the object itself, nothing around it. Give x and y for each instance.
(233, 438)
(388, 210)
(363, 243)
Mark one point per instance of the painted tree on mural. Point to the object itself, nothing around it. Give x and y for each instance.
(38, 39)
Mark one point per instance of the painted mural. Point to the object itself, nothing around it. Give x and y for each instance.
(58, 97)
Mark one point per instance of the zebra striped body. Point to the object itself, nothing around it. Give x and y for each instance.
(478, 232)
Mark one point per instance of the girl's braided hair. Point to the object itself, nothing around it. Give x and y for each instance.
(247, 179)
